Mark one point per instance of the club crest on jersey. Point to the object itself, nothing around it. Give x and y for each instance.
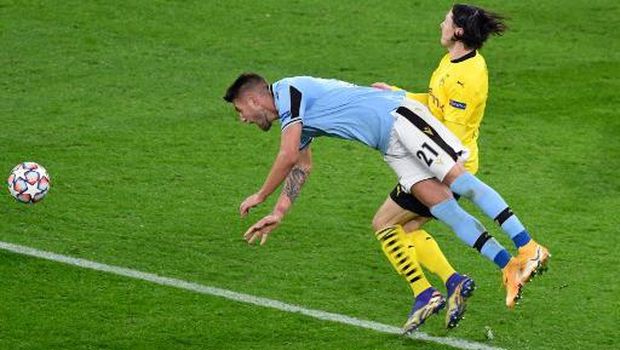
(428, 130)
(457, 104)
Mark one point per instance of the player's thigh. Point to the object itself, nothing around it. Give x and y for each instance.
(389, 214)
(404, 199)
(414, 176)
(431, 192)
(429, 142)
(402, 208)
(406, 166)
(416, 223)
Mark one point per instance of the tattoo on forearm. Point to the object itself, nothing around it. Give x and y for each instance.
(294, 181)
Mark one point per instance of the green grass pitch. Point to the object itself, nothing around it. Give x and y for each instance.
(121, 102)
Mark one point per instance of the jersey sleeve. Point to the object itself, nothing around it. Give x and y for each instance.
(290, 104)
(291, 107)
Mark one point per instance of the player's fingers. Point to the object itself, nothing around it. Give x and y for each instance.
(380, 85)
(264, 238)
(247, 235)
(251, 231)
(259, 231)
(248, 232)
(254, 236)
(243, 210)
(264, 231)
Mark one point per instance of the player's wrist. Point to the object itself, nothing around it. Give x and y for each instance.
(279, 212)
(260, 195)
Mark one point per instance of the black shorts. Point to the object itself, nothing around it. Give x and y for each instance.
(407, 201)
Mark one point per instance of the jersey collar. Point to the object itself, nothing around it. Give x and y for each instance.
(464, 57)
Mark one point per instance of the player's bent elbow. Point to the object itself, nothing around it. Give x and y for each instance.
(289, 157)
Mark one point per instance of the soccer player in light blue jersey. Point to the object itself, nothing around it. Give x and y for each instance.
(426, 156)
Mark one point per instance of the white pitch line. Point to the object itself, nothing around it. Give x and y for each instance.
(240, 297)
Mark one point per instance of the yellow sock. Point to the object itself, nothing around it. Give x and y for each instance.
(429, 254)
(394, 244)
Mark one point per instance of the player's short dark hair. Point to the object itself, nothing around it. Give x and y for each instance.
(477, 24)
(244, 82)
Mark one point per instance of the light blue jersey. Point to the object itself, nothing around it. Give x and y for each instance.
(336, 108)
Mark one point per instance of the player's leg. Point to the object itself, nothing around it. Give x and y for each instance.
(390, 213)
(394, 245)
(459, 287)
(473, 233)
(402, 208)
(428, 300)
(435, 150)
(441, 150)
(434, 155)
(467, 228)
(533, 257)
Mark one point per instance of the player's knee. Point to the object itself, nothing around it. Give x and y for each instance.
(380, 221)
(390, 213)
(457, 170)
(415, 223)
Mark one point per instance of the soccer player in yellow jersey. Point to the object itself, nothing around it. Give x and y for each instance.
(457, 96)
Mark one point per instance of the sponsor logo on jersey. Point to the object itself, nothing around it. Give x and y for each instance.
(457, 104)
(434, 99)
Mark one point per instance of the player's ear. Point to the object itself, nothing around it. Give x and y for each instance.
(250, 99)
(458, 31)
(257, 99)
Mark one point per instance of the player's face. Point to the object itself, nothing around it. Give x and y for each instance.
(448, 29)
(250, 111)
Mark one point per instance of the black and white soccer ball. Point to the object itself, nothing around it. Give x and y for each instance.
(28, 182)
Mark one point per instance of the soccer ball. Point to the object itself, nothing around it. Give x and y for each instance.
(28, 182)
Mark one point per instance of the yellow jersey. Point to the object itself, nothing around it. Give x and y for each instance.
(457, 95)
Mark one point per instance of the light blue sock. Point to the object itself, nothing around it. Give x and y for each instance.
(493, 205)
(470, 231)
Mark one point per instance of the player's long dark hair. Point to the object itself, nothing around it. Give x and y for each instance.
(477, 24)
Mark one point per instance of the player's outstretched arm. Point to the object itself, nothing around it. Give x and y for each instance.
(292, 186)
(383, 86)
(421, 97)
(287, 157)
(294, 182)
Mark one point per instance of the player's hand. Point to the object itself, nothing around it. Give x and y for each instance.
(262, 229)
(381, 86)
(250, 203)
